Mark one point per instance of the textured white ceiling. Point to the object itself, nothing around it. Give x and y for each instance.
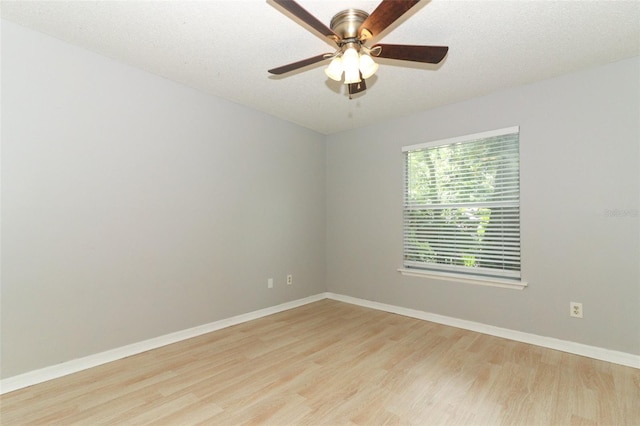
(224, 47)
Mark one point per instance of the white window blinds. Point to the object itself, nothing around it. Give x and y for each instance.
(462, 205)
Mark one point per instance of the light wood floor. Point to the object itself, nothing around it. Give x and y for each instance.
(334, 363)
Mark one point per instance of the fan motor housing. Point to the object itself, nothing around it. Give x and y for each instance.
(347, 22)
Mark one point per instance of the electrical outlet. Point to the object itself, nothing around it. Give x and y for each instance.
(575, 309)
(289, 279)
(270, 283)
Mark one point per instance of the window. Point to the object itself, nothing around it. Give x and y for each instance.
(462, 206)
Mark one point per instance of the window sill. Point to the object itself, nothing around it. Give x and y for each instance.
(447, 276)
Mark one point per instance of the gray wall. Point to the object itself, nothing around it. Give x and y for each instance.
(580, 159)
(133, 207)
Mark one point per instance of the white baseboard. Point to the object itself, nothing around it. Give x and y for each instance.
(594, 352)
(48, 373)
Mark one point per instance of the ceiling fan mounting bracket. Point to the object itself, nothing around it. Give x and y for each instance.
(347, 23)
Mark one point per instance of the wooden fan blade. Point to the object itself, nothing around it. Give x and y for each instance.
(299, 12)
(294, 66)
(384, 15)
(404, 52)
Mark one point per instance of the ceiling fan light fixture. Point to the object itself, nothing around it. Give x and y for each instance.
(335, 69)
(350, 30)
(350, 63)
(368, 67)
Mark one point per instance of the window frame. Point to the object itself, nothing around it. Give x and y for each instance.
(505, 281)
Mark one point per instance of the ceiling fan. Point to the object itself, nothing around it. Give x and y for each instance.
(350, 30)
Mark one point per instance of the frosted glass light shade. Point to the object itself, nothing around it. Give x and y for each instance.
(367, 66)
(334, 70)
(350, 61)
